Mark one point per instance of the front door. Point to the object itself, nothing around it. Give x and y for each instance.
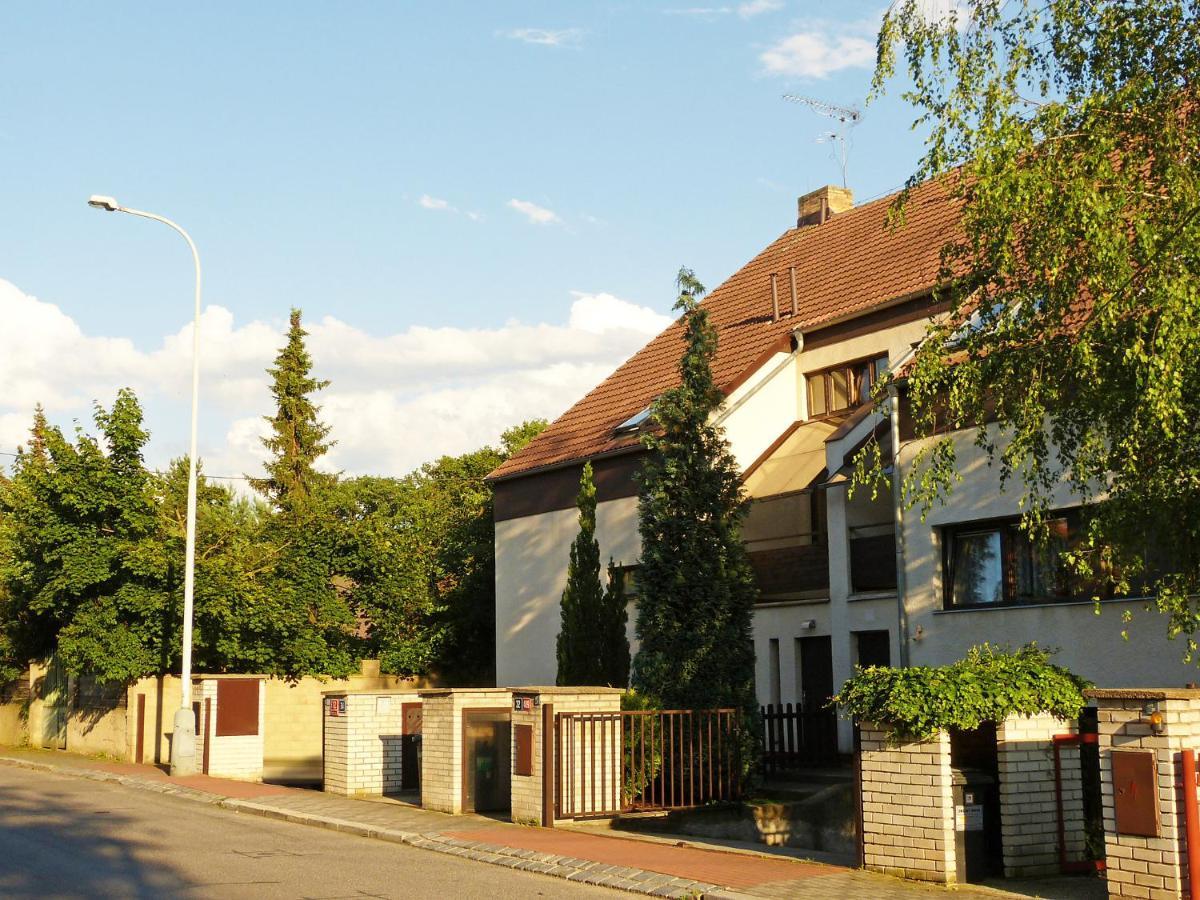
(487, 766)
(819, 721)
(410, 748)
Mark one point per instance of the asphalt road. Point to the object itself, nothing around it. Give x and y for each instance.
(69, 837)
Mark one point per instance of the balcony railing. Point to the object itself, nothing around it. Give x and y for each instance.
(872, 558)
(801, 570)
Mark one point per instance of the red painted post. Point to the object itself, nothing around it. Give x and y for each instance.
(1191, 818)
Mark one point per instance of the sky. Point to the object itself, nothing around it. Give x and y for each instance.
(479, 207)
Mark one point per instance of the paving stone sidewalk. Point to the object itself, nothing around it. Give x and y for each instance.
(652, 867)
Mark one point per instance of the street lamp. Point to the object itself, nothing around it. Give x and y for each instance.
(183, 741)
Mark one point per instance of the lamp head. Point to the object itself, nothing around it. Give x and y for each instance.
(102, 202)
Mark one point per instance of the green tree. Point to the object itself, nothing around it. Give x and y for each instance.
(1068, 134)
(579, 648)
(317, 629)
(298, 437)
(82, 570)
(696, 588)
(592, 646)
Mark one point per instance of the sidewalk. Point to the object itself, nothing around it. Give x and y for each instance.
(656, 867)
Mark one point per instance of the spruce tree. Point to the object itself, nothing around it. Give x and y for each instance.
(579, 645)
(298, 437)
(696, 587)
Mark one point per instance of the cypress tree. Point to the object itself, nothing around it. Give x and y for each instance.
(592, 645)
(614, 642)
(298, 437)
(696, 587)
(579, 648)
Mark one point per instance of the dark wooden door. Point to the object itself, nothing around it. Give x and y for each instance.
(819, 722)
(410, 748)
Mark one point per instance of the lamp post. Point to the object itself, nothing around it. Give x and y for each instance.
(183, 741)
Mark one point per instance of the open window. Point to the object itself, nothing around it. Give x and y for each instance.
(843, 388)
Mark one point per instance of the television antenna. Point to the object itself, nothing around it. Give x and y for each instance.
(847, 117)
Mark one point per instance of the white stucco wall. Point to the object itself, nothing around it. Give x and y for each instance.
(759, 411)
(1090, 645)
(531, 573)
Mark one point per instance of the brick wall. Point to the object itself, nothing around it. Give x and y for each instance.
(442, 743)
(230, 756)
(908, 809)
(1148, 867)
(1028, 806)
(363, 747)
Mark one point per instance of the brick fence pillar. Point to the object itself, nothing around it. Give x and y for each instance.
(908, 806)
(1153, 865)
(1028, 804)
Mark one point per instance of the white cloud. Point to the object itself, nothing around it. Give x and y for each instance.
(538, 215)
(436, 203)
(545, 37)
(753, 8)
(818, 52)
(396, 400)
(711, 13)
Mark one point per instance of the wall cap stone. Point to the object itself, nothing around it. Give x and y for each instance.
(1142, 693)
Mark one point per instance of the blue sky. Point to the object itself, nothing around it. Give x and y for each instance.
(444, 188)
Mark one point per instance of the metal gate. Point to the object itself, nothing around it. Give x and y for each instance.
(609, 763)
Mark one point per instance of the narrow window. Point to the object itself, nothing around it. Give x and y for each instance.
(839, 394)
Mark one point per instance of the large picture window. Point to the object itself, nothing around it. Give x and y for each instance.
(843, 388)
(996, 564)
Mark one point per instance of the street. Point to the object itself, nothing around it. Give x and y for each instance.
(68, 837)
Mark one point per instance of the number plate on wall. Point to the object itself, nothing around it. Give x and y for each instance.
(1135, 792)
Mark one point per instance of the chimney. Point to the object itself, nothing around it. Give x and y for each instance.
(817, 206)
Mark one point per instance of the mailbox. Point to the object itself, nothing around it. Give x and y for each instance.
(1135, 792)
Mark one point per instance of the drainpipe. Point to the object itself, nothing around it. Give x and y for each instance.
(898, 518)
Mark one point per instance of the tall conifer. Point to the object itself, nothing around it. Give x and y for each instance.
(578, 637)
(298, 437)
(696, 587)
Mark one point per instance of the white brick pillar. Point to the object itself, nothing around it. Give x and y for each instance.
(1028, 799)
(908, 806)
(1147, 865)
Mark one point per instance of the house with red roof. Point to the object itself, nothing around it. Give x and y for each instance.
(804, 329)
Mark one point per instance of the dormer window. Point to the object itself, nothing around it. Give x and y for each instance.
(843, 388)
(634, 423)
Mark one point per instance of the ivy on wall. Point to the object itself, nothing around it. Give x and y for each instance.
(988, 685)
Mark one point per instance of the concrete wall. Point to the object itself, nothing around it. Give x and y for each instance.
(908, 807)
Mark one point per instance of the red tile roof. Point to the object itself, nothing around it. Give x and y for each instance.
(849, 265)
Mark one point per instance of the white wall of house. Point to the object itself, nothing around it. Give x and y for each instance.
(531, 573)
(759, 410)
(1090, 645)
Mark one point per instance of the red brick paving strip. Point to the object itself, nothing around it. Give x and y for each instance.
(222, 787)
(735, 870)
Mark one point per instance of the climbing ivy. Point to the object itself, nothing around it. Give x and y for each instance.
(988, 685)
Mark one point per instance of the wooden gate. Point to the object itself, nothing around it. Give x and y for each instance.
(639, 760)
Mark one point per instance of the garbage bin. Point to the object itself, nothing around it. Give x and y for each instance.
(976, 825)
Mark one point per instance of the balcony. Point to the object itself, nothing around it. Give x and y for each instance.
(872, 558)
(795, 572)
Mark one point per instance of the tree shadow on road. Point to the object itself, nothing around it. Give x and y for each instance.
(56, 845)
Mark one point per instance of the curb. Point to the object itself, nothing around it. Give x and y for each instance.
(638, 881)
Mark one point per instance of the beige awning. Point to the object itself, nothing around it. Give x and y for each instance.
(796, 463)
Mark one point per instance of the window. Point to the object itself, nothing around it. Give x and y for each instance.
(628, 580)
(843, 388)
(997, 564)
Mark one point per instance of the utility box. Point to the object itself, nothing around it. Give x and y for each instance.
(976, 825)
